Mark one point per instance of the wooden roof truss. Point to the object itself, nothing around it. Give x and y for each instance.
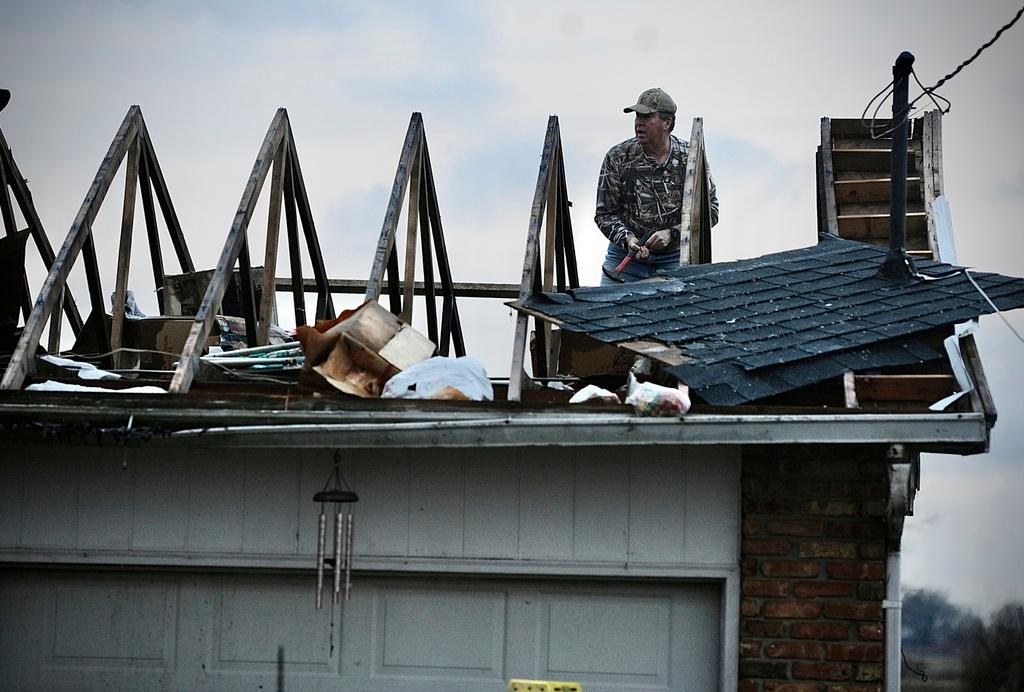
(550, 227)
(415, 175)
(144, 177)
(287, 193)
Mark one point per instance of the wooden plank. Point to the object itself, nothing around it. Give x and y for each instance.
(850, 390)
(548, 263)
(928, 187)
(6, 210)
(247, 292)
(972, 359)
(565, 219)
(937, 179)
(517, 374)
(860, 226)
(469, 289)
(412, 223)
(23, 197)
(124, 251)
(451, 326)
(156, 255)
(163, 197)
(427, 287)
(923, 388)
(324, 305)
(268, 298)
(819, 189)
(188, 365)
(870, 145)
(828, 178)
(11, 227)
(53, 339)
(53, 286)
(867, 160)
(849, 127)
(689, 198)
(877, 208)
(294, 251)
(387, 232)
(873, 190)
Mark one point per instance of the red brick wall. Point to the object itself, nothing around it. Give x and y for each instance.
(813, 565)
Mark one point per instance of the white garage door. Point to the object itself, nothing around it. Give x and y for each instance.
(79, 630)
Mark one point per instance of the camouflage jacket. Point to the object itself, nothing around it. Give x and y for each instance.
(636, 195)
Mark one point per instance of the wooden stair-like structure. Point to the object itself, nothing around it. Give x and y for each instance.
(854, 198)
(854, 182)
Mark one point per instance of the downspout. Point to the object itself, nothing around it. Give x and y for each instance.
(903, 472)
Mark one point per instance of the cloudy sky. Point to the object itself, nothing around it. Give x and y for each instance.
(209, 77)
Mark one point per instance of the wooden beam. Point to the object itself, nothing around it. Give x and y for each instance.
(427, 287)
(188, 364)
(10, 228)
(268, 297)
(324, 303)
(565, 222)
(984, 400)
(451, 326)
(850, 390)
(294, 250)
(517, 374)
(156, 255)
(928, 184)
(163, 197)
(548, 263)
(926, 389)
(124, 252)
(466, 289)
(28, 210)
(387, 232)
(411, 227)
(828, 180)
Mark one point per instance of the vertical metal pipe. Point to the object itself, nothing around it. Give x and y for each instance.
(893, 607)
(321, 535)
(338, 521)
(349, 532)
(901, 125)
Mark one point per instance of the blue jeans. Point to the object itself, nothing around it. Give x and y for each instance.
(637, 269)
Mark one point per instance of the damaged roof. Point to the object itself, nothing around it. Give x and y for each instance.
(745, 330)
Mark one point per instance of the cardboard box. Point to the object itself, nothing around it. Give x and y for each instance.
(584, 356)
(164, 334)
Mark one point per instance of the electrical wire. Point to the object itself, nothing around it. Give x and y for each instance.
(978, 52)
(926, 91)
(920, 673)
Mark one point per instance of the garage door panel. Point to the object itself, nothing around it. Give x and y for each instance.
(621, 639)
(253, 619)
(111, 624)
(439, 633)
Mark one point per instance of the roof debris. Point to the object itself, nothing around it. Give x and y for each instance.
(745, 330)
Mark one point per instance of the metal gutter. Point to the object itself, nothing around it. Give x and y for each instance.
(583, 430)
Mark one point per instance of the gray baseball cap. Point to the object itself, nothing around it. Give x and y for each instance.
(652, 101)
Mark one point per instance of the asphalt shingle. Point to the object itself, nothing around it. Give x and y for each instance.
(762, 326)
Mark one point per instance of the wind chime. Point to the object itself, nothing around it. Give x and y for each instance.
(337, 493)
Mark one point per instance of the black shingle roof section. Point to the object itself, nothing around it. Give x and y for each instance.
(763, 326)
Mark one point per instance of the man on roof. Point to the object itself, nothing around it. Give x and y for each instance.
(640, 190)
